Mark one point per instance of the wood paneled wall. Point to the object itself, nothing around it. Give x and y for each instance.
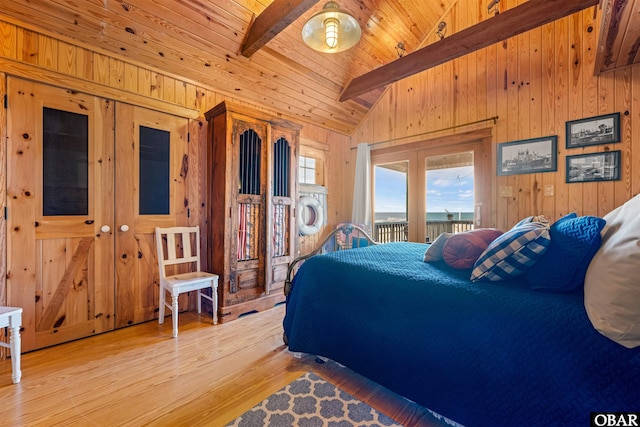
(32, 54)
(534, 83)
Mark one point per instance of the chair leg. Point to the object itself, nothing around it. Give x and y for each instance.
(14, 346)
(174, 314)
(214, 303)
(199, 301)
(161, 305)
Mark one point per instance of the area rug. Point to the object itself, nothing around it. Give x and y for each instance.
(311, 401)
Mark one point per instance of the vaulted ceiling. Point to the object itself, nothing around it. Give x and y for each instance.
(202, 41)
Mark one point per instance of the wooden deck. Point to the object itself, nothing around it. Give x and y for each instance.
(139, 375)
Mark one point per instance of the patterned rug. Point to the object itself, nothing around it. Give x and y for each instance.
(311, 401)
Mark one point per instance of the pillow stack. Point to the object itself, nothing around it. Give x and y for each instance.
(552, 258)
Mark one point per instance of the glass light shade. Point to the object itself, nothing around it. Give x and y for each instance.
(331, 30)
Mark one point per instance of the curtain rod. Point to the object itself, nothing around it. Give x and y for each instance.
(494, 118)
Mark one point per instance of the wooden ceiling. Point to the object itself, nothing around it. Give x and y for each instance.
(202, 40)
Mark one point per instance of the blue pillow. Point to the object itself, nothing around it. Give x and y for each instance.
(512, 253)
(574, 242)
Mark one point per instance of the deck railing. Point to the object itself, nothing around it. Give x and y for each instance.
(397, 231)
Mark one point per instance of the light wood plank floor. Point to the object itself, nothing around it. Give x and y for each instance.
(139, 375)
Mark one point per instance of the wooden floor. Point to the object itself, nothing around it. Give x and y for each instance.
(139, 375)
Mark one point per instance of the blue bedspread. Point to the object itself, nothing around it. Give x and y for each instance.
(495, 354)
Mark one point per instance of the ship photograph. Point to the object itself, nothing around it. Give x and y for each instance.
(530, 156)
(594, 130)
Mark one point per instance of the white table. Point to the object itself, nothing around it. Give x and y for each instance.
(12, 317)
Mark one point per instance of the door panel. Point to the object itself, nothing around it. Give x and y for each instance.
(59, 265)
(150, 146)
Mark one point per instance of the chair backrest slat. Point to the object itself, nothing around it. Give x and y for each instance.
(171, 246)
(186, 244)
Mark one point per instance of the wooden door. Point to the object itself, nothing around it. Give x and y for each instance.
(60, 196)
(151, 181)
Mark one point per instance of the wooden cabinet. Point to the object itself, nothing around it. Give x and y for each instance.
(251, 194)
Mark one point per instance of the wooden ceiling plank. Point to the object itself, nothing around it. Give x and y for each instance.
(509, 23)
(213, 21)
(276, 17)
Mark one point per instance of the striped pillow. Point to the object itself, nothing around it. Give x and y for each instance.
(512, 253)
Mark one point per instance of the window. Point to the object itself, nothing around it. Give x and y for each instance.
(65, 171)
(154, 171)
(307, 170)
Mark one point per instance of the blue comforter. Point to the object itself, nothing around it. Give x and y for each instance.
(495, 354)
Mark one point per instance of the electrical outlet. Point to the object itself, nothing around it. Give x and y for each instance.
(506, 191)
(548, 190)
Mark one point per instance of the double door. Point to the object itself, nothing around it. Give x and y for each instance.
(88, 180)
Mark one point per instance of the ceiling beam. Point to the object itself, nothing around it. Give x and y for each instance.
(275, 18)
(509, 23)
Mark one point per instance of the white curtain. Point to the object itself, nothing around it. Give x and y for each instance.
(361, 212)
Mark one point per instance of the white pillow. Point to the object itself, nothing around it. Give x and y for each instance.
(434, 251)
(612, 283)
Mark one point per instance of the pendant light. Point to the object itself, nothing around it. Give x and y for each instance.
(331, 30)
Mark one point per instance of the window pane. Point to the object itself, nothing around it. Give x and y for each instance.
(154, 171)
(390, 210)
(449, 194)
(307, 170)
(65, 170)
(310, 177)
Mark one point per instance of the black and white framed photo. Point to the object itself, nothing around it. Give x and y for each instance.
(594, 167)
(528, 156)
(603, 129)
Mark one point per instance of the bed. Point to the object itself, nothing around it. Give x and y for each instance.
(497, 353)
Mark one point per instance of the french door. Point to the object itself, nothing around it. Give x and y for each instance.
(409, 164)
(80, 255)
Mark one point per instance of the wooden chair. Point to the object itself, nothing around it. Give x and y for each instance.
(11, 317)
(178, 250)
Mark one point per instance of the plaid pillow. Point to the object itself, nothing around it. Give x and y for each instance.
(512, 253)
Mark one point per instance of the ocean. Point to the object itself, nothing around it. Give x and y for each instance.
(431, 216)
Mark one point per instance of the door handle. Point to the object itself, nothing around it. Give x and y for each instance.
(124, 227)
(105, 229)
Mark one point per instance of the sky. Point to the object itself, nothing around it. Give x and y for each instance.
(447, 190)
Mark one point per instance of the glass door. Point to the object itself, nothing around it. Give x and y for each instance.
(449, 194)
(391, 219)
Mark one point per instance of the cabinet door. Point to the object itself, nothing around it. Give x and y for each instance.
(282, 232)
(60, 195)
(248, 243)
(151, 178)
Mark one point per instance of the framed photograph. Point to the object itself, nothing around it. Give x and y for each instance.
(593, 130)
(594, 167)
(528, 156)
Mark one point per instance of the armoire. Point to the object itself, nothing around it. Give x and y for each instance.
(252, 185)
